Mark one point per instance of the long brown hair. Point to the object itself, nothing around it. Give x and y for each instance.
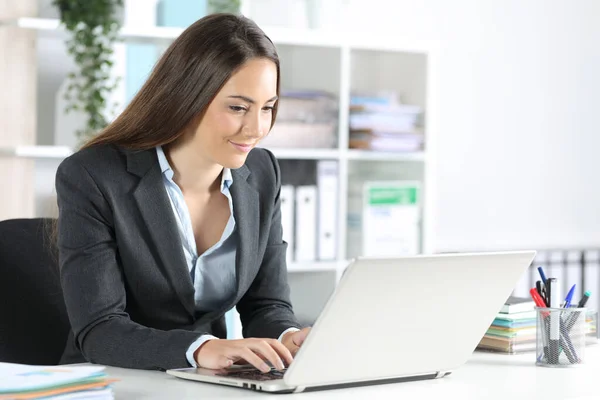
(186, 79)
(183, 83)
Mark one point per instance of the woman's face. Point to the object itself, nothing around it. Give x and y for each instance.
(239, 116)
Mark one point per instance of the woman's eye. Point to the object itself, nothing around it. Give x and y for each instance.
(237, 108)
(268, 109)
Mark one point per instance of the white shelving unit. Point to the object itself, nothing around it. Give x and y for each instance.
(279, 35)
(338, 62)
(36, 152)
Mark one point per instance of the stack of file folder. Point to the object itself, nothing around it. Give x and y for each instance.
(513, 330)
(18, 381)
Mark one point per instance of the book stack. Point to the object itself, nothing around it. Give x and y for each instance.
(513, 330)
(18, 381)
(305, 119)
(382, 123)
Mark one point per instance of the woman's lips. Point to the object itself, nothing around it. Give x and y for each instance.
(242, 146)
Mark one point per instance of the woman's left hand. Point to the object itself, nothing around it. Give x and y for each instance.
(293, 340)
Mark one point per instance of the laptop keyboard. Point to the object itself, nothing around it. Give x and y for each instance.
(256, 375)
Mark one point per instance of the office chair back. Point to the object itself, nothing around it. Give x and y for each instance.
(33, 318)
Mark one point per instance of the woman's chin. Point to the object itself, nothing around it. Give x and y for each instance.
(234, 162)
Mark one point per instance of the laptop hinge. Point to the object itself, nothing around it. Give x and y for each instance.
(440, 374)
(299, 389)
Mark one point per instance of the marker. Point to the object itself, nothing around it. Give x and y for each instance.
(554, 296)
(544, 292)
(569, 296)
(538, 286)
(584, 299)
(537, 298)
(549, 291)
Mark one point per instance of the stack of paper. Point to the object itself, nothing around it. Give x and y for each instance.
(305, 119)
(382, 123)
(513, 330)
(18, 381)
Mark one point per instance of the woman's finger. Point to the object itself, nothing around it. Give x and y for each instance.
(284, 352)
(224, 362)
(247, 354)
(264, 348)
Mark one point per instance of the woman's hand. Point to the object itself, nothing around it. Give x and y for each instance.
(222, 353)
(293, 340)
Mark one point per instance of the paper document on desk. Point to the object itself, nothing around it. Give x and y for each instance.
(19, 381)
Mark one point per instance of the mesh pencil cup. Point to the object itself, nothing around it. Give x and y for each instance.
(560, 336)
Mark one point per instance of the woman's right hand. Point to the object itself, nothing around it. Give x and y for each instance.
(223, 353)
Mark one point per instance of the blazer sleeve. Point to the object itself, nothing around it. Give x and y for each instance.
(265, 309)
(93, 284)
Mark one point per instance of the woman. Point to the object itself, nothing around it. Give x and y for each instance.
(169, 218)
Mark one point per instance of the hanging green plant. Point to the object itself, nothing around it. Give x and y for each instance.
(224, 6)
(94, 26)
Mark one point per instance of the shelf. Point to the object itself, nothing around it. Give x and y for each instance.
(315, 266)
(285, 36)
(51, 152)
(279, 35)
(367, 155)
(59, 152)
(305, 154)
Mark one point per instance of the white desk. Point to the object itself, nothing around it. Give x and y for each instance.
(484, 376)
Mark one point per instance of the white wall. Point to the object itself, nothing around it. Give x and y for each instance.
(517, 149)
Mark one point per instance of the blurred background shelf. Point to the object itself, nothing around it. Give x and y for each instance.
(322, 266)
(61, 152)
(50, 152)
(305, 154)
(366, 155)
(281, 35)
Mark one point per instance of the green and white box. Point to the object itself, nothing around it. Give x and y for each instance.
(391, 218)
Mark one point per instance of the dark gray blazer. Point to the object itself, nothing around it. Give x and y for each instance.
(127, 287)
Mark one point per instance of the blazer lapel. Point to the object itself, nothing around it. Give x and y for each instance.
(155, 207)
(247, 218)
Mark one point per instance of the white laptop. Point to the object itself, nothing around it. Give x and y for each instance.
(392, 320)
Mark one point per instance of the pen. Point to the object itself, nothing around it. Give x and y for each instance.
(553, 297)
(542, 275)
(566, 326)
(569, 296)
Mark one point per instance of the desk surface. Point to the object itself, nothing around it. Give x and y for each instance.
(484, 376)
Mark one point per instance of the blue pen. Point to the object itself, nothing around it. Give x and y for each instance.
(541, 271)
(569, 296)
